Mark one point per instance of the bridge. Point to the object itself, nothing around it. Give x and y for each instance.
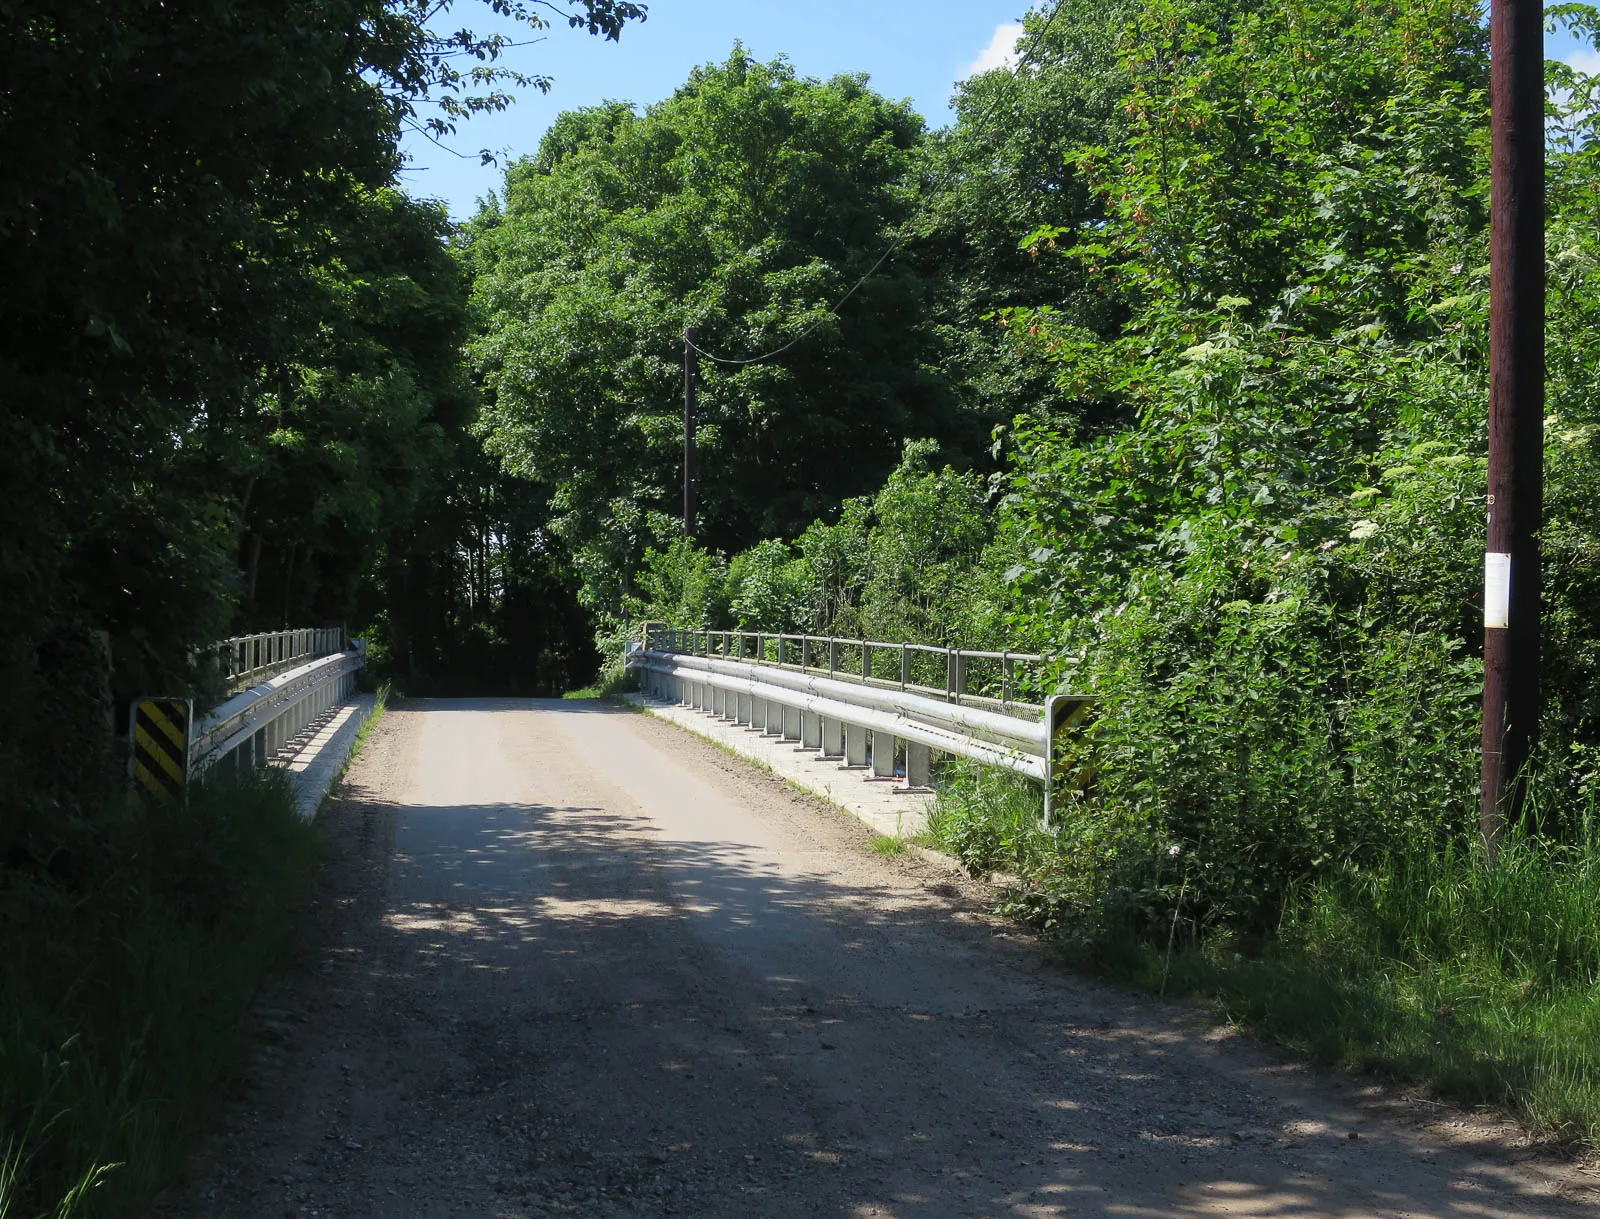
(577, 961)
(867, 705)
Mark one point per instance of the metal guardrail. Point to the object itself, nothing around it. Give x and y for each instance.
(246, 660)
(248, 729)
(867, 721)
(959, 675)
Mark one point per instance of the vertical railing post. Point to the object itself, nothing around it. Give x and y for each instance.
(905, 666)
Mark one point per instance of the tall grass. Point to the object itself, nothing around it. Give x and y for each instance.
(989, 819)
(133, 953)
(1479, 978)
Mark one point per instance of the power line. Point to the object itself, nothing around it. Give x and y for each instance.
(900, 238)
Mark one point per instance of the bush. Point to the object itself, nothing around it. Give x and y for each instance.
(131, 961)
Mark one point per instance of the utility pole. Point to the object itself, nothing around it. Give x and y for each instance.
(691, 389)
(1511, 586)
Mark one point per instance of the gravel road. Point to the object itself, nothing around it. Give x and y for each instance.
(575, 961)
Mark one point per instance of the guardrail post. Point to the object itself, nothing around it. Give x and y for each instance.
(919, 766)
(855, 747)
(810, 730)
(791, 723)
(742, 708)
(832, 738)
(882, 755)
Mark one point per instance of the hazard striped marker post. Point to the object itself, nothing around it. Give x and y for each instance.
(1067, 715)
(158, 731)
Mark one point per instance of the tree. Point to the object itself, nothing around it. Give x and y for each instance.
(181, 179)
(746, 205)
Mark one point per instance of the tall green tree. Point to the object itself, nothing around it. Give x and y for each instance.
(746, 204)
(1007, 167)
(184, 191)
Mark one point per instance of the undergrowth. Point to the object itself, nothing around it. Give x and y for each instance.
(1480, 979)
(132, 956)
(612, 682)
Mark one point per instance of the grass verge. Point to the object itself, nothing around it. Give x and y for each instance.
(131, 962)
(380, 704)
(889, 845)
(1481, 980)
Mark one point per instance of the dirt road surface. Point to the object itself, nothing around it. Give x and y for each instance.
(579, 962)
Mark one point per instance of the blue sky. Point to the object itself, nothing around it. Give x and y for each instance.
(914, 49)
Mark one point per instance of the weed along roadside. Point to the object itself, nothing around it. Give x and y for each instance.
(127, 983)
(1476, 979)
(132, 965)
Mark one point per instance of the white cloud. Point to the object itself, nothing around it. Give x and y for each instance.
(1001, 51)
(1587, 62)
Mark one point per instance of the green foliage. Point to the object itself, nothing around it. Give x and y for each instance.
(745, 205)
(768, 587)
(684, 585)
(1005, 168)
(906, 564)
(126, 985)
(231, 348)
(989, 820)
(1477, 977)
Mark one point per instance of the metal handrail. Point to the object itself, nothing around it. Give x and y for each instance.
(866, 723)
(245, 660)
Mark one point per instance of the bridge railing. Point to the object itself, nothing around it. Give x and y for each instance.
(876, 706)
(1004, 681)
(298, 675)
(246, 660)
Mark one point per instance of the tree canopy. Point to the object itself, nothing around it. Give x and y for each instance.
(745, 205)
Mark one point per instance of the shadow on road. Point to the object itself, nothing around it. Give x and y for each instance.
(607, 1017)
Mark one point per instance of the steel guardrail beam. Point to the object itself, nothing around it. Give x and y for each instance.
(267, 715)
(873, 719)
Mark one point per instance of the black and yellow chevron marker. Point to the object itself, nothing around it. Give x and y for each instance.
(160, 732)
(1068, 714)
(1068, 718)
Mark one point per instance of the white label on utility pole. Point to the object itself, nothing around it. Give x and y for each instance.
(1496, 590)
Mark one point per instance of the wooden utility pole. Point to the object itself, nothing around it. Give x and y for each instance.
(1516, 411)
(691, 389)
